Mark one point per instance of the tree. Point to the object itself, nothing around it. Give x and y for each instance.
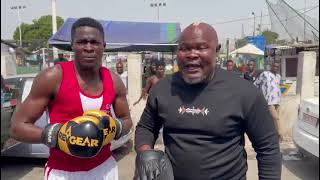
(271, 37)
(37, 34)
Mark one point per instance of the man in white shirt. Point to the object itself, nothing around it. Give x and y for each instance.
(269, 83)
(123, 74)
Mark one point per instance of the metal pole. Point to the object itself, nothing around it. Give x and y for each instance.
(254, 26)
(304, 22)
(158, 12)
(158, 21)
(227, 49)
(43, 59)
(254, 23)
(260, 28)
(19, 21)
(54, 26)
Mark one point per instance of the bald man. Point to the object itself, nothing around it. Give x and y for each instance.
(123, 74)
(204, 112)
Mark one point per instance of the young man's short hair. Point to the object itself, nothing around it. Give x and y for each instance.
(86, 21)
(228, 61)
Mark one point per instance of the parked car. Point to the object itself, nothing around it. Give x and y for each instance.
(306, 128)
(21, 85)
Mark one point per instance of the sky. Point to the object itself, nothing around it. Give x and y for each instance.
(214, 12)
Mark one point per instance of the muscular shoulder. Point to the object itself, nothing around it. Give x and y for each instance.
(48, 80)
(117, 83)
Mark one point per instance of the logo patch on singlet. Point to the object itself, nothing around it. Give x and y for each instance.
(193, 111)
(108, 108)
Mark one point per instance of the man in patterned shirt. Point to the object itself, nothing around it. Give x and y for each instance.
(269, 83)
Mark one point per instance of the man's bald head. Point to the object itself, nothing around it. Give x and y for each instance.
(197, 51)
(201, 29)
(119, 67)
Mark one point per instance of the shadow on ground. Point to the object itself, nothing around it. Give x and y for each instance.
(124, 150)
(25, 165)
(303, 167)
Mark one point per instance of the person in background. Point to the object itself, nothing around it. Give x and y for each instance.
(230, 65)
(148, 70)
(230, 68)
(175, 66)
(153, 80)
(269, 84)
(60, 58)
(123, 74)
(204, 112)
(251, 74)
(152, 68)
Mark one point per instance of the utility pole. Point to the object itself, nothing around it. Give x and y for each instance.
(19, 20)
(227, 48)
(304, 22)
(54, 26)
(260, 27)
(254, 23)
(242, 31)
(158, 5)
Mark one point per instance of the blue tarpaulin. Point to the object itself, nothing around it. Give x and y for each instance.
(126, 36)
(258, 41)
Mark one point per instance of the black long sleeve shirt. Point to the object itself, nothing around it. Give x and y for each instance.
(204, 126)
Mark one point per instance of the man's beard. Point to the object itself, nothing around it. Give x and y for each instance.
(192, 81)
(197, 80)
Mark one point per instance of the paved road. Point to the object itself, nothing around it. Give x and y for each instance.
(294, 166)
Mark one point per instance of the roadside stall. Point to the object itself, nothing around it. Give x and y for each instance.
(248, 52)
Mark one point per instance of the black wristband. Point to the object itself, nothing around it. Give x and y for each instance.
(119, 127)
(49, 135)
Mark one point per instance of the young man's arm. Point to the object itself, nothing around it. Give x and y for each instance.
(43, 89)
(120, 104)
(262, 133)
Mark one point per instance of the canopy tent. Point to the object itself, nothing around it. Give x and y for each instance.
(248, 49)
(126, 36)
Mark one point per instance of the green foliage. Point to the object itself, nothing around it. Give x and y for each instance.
(28, 69)
(37, 34)
(271, 37)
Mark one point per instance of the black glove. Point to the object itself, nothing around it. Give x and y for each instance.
(153, 165)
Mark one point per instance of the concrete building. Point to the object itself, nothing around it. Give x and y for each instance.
(8, 59)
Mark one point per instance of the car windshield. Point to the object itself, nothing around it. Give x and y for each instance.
(16, 88)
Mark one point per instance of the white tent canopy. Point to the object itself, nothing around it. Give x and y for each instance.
(249, 49)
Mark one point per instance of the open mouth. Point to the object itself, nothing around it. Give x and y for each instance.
(192, 68)
(89, 58)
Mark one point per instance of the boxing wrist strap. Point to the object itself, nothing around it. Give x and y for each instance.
(49, 135)
(119, 127)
